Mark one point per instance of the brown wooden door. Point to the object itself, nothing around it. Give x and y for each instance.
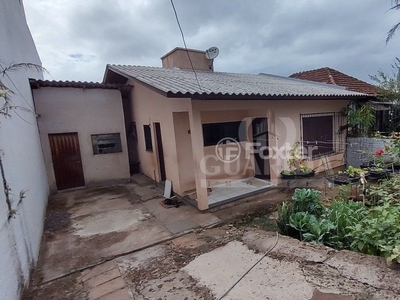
(67, 161)
(160, 151)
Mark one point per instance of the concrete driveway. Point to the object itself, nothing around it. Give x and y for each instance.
(89, 226)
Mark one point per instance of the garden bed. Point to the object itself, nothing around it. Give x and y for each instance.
(345, 224)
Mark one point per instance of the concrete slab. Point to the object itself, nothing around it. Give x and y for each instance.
(105, 223)
(293, 249)
(102, 278)
(107, 288)
(367, 269)
(222, 267)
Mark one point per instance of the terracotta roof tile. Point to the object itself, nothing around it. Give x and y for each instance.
(331, 76)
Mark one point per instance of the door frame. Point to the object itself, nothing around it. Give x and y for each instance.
(160, 151)
(264, 168)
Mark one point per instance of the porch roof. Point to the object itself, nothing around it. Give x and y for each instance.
(178, 83)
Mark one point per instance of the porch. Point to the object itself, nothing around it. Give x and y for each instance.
(225, 192)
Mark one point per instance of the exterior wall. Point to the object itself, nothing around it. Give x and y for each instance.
(87, 112)
(284, 125)
(21, 155)
(179, 59)
(149, 107)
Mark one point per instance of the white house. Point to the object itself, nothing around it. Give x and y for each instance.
(23, 169)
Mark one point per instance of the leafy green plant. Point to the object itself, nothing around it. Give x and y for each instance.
(352, 171)
(343, 215)
(319, 231)
(378, 233)
(308, 200)
(285, 210)
(301, 221)
(296, 162)
(361, 119)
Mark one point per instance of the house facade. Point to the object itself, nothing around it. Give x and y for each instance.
(82, 130)
(25, 192)
(201, 128)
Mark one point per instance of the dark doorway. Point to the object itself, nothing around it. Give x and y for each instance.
(160, 151)
(261, 149)
(67, 161)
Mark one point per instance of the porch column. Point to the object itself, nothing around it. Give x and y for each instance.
(196, 134)
(273, 145)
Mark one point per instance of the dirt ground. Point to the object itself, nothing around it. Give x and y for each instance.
(204, 263)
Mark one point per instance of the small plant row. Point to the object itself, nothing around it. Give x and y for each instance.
(343, 225)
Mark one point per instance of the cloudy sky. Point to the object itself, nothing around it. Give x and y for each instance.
(76, 39)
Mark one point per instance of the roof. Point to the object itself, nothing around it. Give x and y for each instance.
(331, 76)
(74, 84)
(175, 82)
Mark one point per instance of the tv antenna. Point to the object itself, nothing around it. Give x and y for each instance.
(212, 53)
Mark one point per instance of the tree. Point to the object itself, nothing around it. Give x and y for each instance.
(392, 31)
(389, 85)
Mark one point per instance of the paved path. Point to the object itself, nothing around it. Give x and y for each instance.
(105, 282)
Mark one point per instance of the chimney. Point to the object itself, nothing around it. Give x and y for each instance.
(178, 58)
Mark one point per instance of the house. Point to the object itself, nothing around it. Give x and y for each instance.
(83, 132)
(334, 77)
(201, 129)
(330, 76)
(25, 189)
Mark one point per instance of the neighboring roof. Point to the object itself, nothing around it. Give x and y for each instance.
(175, 82)
(378, 106)
(75, 84)
(331, 76)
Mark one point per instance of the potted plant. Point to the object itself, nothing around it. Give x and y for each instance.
(393, 150)
(296, 165)
(351, 174)
(378, 168)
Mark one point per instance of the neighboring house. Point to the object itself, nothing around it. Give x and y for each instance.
(331, 76)
(181, 115)
(82, 130)
(21, 157)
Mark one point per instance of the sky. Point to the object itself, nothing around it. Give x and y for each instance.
(77, 39)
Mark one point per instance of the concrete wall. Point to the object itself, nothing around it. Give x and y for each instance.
(87, 112)
(362, 149)
(21, 155)
(149, 107)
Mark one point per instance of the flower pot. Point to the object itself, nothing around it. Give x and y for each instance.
(287, 176)
(304, 174)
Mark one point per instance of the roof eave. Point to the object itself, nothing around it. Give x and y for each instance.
(220, 96)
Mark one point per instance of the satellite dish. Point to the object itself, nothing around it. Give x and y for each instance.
(212, 53)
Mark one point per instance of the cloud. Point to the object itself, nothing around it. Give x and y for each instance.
(76, 39)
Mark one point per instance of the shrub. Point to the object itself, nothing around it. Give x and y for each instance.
(307, 200)
(378, 233)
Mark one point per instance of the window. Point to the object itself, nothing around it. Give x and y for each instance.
(106, 143)
(318, 138)
(147, 138)
(213, 133)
